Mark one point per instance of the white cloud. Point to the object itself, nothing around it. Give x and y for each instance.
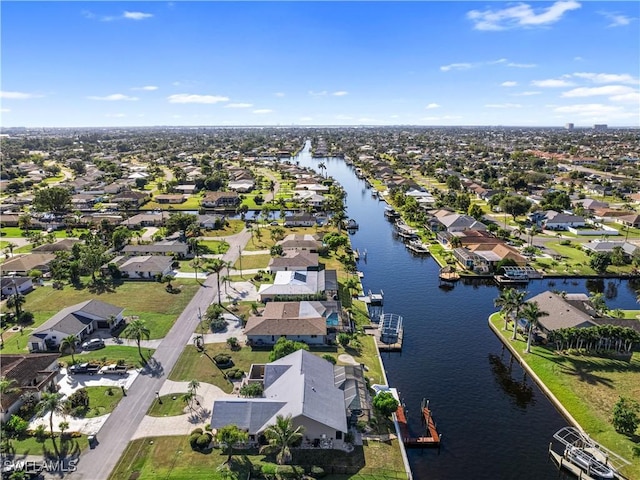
(340, 93)
(17, 95)
(607, 77)
(192, 98)
(617, 19)
(115, 97)
(239, 105)
(631, 97)
(5, 110)
(552, 83)
(262, 111)
(521, 65)
(595, 111)
(527, 93)
(503, 105)
(432, 106)
(146, 88)
(520, 15)
(279, 94)
(456, 66)
(509, 84)
(136, 15)
(596, 91)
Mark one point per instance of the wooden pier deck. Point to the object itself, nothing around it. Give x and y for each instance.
(428, 441)
(387, 347)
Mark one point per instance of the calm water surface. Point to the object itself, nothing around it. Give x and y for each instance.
(496, 423)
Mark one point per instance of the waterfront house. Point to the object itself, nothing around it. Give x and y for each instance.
(300, 242)
(296, 284)
(80, 320)
(133, 198)
(242, 185)
(174, 248)
(211, 221)
(300, 385)
(569, 311)
(299, 219)
(30, 375)
(173, 199)
(147, 219)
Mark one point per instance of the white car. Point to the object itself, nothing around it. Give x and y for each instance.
(94, 344)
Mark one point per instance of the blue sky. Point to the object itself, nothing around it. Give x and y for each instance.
(525, 63)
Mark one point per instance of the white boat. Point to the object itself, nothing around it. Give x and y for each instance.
(588, 462)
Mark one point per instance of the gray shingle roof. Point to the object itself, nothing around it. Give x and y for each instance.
(562, 314)
(72, 320)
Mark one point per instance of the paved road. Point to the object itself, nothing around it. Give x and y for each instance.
(123, 422)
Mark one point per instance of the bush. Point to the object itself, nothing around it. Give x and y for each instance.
(251, 390)
(16, 426)
(203, 441)
(222, 359)
(329, 358)
(317, 472)
(199, 431)
(218, 324)
(235, 373)
(79, 398)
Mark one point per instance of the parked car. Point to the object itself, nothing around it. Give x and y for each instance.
(84, 368)
(93, 344)
(114, 369)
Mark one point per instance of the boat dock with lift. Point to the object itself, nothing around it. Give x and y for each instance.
(431, 438)
(585, 458)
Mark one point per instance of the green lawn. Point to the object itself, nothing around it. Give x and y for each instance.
(101, 402)
(574, 260)
(191, 203)
(253, 261)
(213, 246)
(233, 226)
(588, 387)
(31, 446)
(171, 406)
(173, 458)
(111, 354)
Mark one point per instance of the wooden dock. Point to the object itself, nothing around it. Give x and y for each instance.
(431, 440)
(561, 463)
(387, 347)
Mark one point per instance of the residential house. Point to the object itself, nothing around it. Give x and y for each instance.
(211, 221)
(572, 311)
(607, 246)
(147, 267)
(80, 320)
(456, 222)
(296, 284)
(241, 186)
(629, 220)
(63, 245)
(175, 248)
(148, 219)
(300, 242)
(552, 220)
(294, 260)
(300, 219)
(167, 199)
(11, 285)
(30, 375)
(304, 321)
(23, 264)
(220, 199)
(133, 198)
(484, 257)
(301, 385)
(189, 189)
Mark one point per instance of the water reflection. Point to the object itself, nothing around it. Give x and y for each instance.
(519, 391)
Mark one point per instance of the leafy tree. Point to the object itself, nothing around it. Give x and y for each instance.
(52, 199)
(284, 347)
(251, 390)
(276, 251)
(475, 211)
(453, 182)
(618, 257)
(180, 221)
(625, 416)
(600, 262)
(70, 343)
(556, 200)
(515, 205)
(228, 436)
(24, 222)
(7, 385)
(385, 404)
(137, 330)
(281, 437)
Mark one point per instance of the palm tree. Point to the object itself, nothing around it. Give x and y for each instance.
(51, 403)
(138, 330)
(228, 436)
(282, 436)
(323, 167)
(196, 263)
(69, 343)
(216, 265)
(16, 301)
(193, 388)
(518, 301)
(7, 385)
(10, 246)
(506, 304)
(188, 398)
(532, 313)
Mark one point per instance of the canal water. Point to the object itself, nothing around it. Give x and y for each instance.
(495, 422)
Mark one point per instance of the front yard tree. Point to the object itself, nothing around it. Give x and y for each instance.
(625, 416)
(52, 199)
(385, 404)
(532, 313)
(515, 205)
(475, 211)
(137, 330)
(216, 266)
(50, 403)
(284, 347)
(600, 262)
(228, 436)
(69, 343)
(281, 437)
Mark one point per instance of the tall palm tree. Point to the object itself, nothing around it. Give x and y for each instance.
(16, 301)
(505, 302)
(51, 403)
(193, 388)
(138, 330)
(10, 246)
(216, 265)
(282, 436)
(532, 313)
(322, 166)
(518, 301)
(7, 385)
(69, 343)
(196, 263)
